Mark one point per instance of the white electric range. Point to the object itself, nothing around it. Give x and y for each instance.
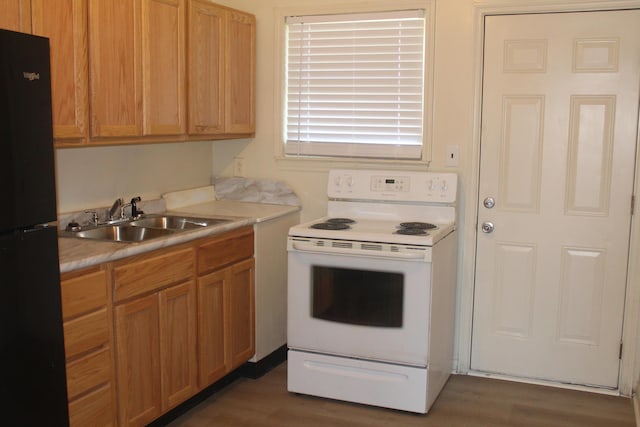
(371, 290)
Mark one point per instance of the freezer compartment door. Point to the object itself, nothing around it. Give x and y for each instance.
(27, 179)
(32, 359)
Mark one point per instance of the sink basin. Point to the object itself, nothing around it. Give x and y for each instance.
(175, 222)
(122, 233)
(143, 229)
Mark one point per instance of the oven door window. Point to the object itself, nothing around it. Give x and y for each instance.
(357, 297)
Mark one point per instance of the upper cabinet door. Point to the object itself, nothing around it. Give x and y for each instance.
(221, 70)
(64, 22)
(240, 64)
(115, 68)
(206, 67)
(163, 67)
(16, 15)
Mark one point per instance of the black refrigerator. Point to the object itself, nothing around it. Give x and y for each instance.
(32, 364)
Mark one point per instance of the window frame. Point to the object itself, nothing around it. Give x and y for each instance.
(280, 76)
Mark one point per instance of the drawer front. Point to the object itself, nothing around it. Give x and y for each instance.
(94, 409)
(86, 332)
(83, 293)
(151, 273)
(226, 249)
(88, 372)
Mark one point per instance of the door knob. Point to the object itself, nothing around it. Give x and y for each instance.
(487, 227)
(489, 202)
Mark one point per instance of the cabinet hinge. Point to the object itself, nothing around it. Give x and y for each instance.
(633, 203)
(620, 353)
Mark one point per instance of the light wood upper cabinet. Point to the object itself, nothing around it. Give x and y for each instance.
(137, 66)
(64, 22)
(129, 72)
(163, 67)
(16, 15)
(115, 72)
(206, 67)
(221, 63)
(240, 72)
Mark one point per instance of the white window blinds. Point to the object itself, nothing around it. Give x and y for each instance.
(355, 85)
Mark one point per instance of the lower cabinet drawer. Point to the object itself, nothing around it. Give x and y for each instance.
(86, 332)
(94, 409)
(88, 372)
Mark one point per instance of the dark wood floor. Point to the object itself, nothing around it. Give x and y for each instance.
(465, 401)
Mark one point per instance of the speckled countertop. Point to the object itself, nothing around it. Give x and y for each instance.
(76, 253)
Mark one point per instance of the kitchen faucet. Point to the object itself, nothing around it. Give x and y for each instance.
(115, 208)
(119, 207)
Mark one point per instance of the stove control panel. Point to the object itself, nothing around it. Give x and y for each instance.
(406, 186)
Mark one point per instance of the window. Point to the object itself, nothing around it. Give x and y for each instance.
(355, 85)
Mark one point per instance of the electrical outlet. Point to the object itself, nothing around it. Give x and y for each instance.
(453, 152)
(238, 166)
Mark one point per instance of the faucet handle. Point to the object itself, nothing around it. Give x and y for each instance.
(94, 217)
(134, 207)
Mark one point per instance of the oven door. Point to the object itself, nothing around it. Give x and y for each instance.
(368, 307)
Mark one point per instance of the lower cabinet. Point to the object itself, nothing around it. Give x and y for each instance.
(226, 320)
(155, 333)
(88, 347)
(146, 333)
(155, 337)
(226, 314)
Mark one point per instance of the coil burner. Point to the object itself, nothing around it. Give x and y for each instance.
(415, 228)
(334, 224)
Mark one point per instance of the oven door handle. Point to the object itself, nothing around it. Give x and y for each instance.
(361, 252)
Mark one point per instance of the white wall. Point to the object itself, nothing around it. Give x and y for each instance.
(96, 176)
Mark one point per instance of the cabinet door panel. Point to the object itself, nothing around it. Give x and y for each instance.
(114, 67)
(178, 344)
(64, 22)
(16, 15)
(206, 68)
(138, 361)
(211, 327)
(163, 66)
(240, 62)
(241, 342)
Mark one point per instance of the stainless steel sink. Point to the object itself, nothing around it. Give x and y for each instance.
(143, 229)
(174, 222)
(121, 233)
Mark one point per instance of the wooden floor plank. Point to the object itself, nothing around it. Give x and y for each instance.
(466, 401)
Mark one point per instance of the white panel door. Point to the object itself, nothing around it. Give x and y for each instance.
(559, 123)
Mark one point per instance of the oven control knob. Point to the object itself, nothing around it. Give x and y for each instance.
(487, 227)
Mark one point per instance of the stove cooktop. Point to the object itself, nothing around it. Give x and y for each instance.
(423, 233)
